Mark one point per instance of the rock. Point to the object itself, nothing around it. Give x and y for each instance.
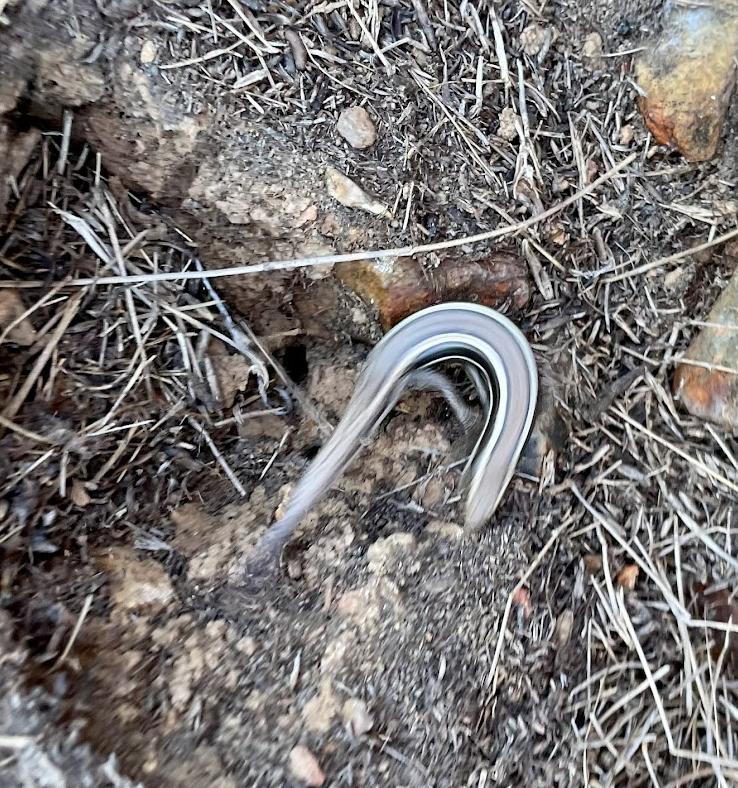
(592, 47)
(356, 717)
(625, 137)
(562, 631)
(627, 576)
(533, 38)
(398, 288)
(148, 53)
(304, 766)
(508, 128)
(351, 195)
(712, 394)
(357, 128)
(11, 308)
(687, 77)
(79, 495)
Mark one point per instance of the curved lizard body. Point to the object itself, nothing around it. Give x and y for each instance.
(478, 337)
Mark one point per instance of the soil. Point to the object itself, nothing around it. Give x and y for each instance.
(397, 648)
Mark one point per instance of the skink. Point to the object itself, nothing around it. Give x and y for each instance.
(499, 359)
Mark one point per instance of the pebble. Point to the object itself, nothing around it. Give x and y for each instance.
(356, 717)
(592, 47)
(686, 77)
(626, 135)
(148, 53)
(508, 128)
(350, 194)
(357, 128)
(532, 39)
(304, 766)
(11, 308)
(137, 586)
(547, 436)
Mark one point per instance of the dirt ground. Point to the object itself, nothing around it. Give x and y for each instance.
(149, 436)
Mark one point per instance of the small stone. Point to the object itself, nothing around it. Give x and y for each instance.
(687, 76)
(356, 717)
(432, 494)
(148, 53)
(310, 214)
(533, 38)
(712, 393)
(625, 137)
(592, 563)
(508, 128)
(399, 287)
(294, 569)
(11, 308)
(304, 766)
(79, 495)
(521, 599)
(592, 47)
(357, 128)
(676, 279)
(232, 373)
(351, 195)
(564, 626)
(627, 576)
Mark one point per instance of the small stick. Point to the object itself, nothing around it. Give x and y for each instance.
(404, 251)
(232, 478)
(75, 632)
(70, 310)
(424, 22)
(492, 675)
(673, 258)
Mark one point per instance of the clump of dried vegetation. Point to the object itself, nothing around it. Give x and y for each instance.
(114, 406)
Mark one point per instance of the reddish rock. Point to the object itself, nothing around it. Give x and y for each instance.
(399, 287)
(687, 77)
(712, 393)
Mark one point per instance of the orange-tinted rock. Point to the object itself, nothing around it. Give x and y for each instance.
(712, 394)
(687, 76)
(401, 286)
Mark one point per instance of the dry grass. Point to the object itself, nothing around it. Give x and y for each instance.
(119, 390)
